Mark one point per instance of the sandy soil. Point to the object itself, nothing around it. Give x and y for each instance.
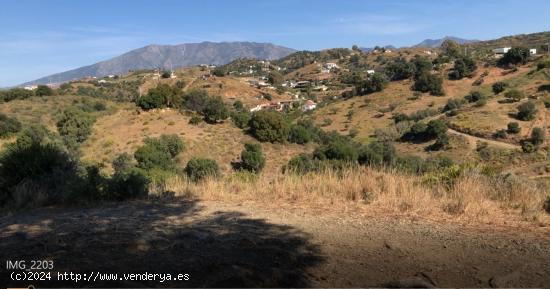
(268, 245)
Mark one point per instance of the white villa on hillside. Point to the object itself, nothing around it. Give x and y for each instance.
(309, 105)
(501, 50)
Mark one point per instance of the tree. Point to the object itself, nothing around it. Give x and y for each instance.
(399, 69)
(275, 78)
(450, 48)
(196, 100)
(513, 128)
(166, 74)
(464, 67)
(241, 119)
(428, 82)
(527, 111)
(215, 110)
(516, 55)
(436, 128)
(198, 169)
(161, 96)
(422, 65)
(43, 90)
(252, 158)
(238, 105)
(376, 82)
(74, 126)
(499, 87)
(269, 126)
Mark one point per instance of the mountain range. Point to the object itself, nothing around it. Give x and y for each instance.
(188, 54)
(436, 43)
(171, 56)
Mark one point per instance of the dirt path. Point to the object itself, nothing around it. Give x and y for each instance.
(474, 139)
(255, 245)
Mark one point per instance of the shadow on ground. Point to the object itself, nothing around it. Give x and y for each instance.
(223, 249)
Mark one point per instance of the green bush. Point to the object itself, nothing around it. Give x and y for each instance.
(514, 95)
(513, 128)
(196, 100)
(464, 67)
(441, 142)
(376, 82)
(399, 69)
(501, 133)
(269, 126)
(198, 169)
(194, 120)
(252, 158)
(43, 90)
(299, 134)
(8, 126)
(35, 173)
(128, 184)
(537, 136)
(528, 147)
(527, 111)
(238, 105)
(241, 119)
(337, 150)
(215, 110)
(74, 126)
(516, 55)
(453, 104)
(475, 96)
(428, 82)
(159, 152)
(499, 87)
(377, 154)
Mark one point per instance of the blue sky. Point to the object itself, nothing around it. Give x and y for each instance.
(39, 37)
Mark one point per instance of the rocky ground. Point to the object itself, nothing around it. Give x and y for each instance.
(261, 245)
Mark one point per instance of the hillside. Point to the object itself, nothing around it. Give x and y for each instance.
(171, 56)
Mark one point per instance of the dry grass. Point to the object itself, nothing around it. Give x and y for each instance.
(472, 198)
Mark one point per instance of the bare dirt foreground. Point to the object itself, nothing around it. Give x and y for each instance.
(259, 245)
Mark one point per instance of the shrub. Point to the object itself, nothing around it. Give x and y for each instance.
(475, 96)
(159, 152)
(194, 120)
(516, 55)
(299, 134)
(126, 184)
(441, 143)
(161, 96)
(252, 158)
(74, 126)
(326, 122)
(8, 125)
(122, 163)
(481, 102)
(527, 111)
(43, 90)
(238, 105)
(428, 82)
(35, 170)
(241, 119)
(436, 128)
(337, 149)
(374, 83)
(269, 126)
(537, 136)
(513, 128)
(514, 95)
(527, 147)
(196, 100)
(464, 67)
(499, 87)
(399, 69)
(377, 154)
(166, 74)
(543, 64)
(453, 104)
(501, 133)
(198, 169)
(215, 110)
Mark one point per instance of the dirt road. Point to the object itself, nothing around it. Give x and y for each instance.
(259, 245)
(474, 139)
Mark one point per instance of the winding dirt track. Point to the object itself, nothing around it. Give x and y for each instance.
(473, 139)
(258, 245)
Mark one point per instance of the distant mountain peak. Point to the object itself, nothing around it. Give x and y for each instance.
(166, 56)
(436, 43)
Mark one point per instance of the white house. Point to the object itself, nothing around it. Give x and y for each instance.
(102, 81)
(370, 72)
(309, 105)
(501, 50)
(330, 65)
(31, 87)
(532, 51)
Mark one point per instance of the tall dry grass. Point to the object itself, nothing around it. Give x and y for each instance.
(471, 196)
